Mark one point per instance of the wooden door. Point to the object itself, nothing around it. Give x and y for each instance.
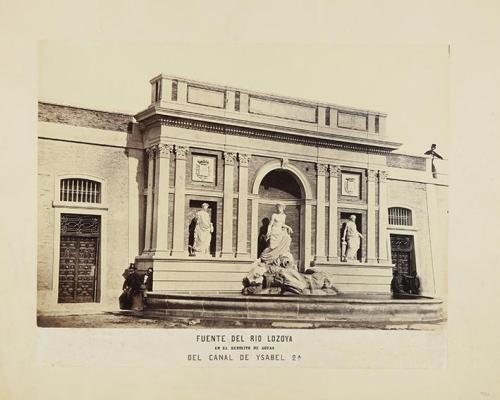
(79, 259)
(403, 254)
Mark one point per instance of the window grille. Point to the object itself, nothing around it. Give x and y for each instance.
(400, 216)
(80, 190)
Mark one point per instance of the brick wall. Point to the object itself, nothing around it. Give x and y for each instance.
(83, 117)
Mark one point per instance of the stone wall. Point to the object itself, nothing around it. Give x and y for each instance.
(107, 163)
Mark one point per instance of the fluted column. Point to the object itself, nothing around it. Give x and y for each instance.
(160, 214)
(241, 250)
(179, 200)
(333, 220)
(150, 152)
(320, 212)
(227, 205)
(383, 239)
(371, 221)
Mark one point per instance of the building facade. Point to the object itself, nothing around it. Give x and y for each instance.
(116, 189)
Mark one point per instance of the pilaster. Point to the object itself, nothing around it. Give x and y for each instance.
(371, 221)
(150, 153)
(179, 200)
(227, 205)
(241, 250)
(320, 212)
(333, 220)
(162, 172)
(383, 237)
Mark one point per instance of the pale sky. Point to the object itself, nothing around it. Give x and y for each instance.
(409, 83)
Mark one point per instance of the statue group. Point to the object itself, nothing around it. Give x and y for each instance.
(276, 272)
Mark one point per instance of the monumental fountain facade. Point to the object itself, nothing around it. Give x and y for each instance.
(116, 189)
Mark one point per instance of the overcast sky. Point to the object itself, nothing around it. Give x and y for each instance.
(409, 83)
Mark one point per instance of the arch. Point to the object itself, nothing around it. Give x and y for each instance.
(271, 166)
(100, 181)
(403, 213)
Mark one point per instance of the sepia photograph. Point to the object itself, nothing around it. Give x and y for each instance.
(172, 196)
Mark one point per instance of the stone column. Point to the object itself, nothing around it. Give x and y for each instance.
(320, 212)
(383, 239)
(241, 250)
(227, 206)
(370, 223)
(160, 220)
(150, 152)
(332, 220)
(179, 200)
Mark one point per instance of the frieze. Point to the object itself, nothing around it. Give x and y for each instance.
(264, 134)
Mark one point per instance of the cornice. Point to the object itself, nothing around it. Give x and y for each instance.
(151, 117)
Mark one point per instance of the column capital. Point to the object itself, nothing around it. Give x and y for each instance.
(334, 170)
(164, 150)
(321, 169)
(382, 176)
(181, 152)
(151, 151)
(244, 159)
(229, 158)
(371, 174)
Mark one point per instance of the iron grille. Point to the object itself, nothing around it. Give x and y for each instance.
(400, 216)
(80, 190)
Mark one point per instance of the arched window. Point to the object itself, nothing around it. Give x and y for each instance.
(80, 190)
(400, 216)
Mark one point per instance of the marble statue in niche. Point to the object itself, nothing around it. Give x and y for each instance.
(202, 231)
(351, 240)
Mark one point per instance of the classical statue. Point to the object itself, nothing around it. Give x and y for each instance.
(202, 231)
(278, 236)
(351, 240)
(276, 272)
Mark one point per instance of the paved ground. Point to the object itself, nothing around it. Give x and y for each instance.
(129, 320)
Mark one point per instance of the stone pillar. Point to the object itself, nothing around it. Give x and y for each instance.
(227, 206)
(241, 250)
(150, 152)
(333, 228)
(179, 200)
(370, 223)
(160, 214)
(307, 232)
(383, 238)
(320, 212)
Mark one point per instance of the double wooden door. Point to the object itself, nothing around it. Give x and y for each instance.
(79, 258)
(403, 254)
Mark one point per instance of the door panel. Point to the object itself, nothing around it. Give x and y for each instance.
(79, 259)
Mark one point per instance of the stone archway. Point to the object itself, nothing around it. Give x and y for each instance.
(286, 184)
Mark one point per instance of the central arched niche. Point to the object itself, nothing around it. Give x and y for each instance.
(280, 186)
